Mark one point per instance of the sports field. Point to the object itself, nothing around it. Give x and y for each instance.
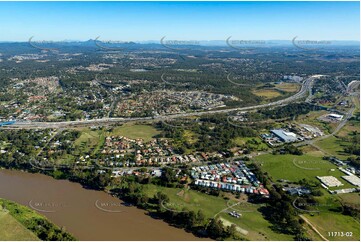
(294, 168)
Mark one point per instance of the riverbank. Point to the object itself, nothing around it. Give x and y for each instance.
(18, 222)
(87, 214)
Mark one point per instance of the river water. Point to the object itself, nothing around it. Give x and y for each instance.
(86, 214)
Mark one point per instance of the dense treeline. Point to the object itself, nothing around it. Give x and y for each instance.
(288, 149)
(288, 111)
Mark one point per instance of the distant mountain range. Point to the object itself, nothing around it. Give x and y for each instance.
(170, 42)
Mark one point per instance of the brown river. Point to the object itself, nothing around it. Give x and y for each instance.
(86, 214)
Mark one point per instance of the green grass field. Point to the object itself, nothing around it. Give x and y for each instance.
(11, 229)
(88, 139)
(252, 221)
(335, 222)
(136, 131)
(348, 128)
(294, 168)
(297, 167)
(267, 93)
(288, 87)
(333, 146)
(352, 198)
(243, 140)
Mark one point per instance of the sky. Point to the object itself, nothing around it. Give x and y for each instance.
(141, 21)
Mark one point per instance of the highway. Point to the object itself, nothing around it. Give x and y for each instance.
(306, 86)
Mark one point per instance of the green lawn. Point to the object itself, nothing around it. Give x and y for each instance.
(335, 222)
(136, 131)
(295, 168)
(333, 146)
(88, 139)
(11, 229)
(252, 220)
(353, 198)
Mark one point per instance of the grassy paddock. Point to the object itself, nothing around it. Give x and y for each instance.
(11, 229)
(335, 222)
(288, 87)
(136, 131)
(267, 93)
